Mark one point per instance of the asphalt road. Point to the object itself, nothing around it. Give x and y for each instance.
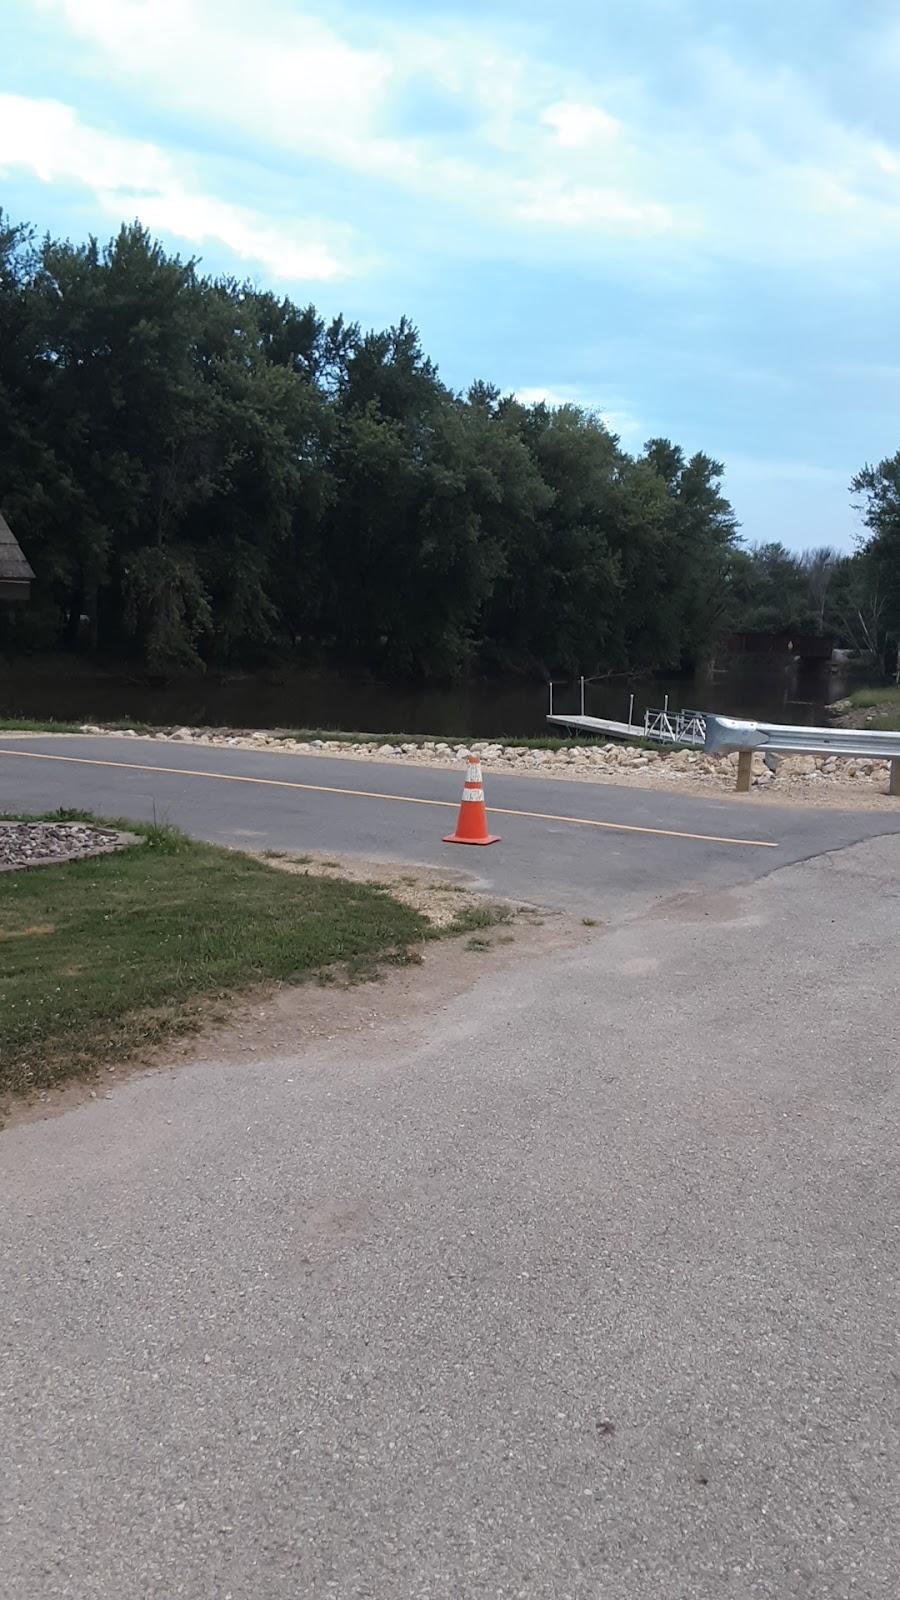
(585, 1282)
(308, 803)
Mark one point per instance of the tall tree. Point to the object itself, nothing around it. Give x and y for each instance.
(203, 472)
(878, 492)
(702, 539)
(818, 567)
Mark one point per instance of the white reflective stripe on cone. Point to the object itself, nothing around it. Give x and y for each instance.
(474, 774)
(473, 794)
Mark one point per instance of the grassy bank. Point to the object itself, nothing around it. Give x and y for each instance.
(879, 706)
(101, 958)
(513, 741)
(863, 699)
(305, 735)
(49, 725)
(36, 725)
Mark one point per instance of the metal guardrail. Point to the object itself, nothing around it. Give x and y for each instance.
(726, 735)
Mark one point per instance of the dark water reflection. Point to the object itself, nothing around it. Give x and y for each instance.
(75, 690)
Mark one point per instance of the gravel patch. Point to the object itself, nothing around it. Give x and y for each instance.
(44, 844)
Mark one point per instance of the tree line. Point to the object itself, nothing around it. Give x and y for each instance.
(203, 474)
(855, 598)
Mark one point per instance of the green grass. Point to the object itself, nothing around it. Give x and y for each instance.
(101, 958)
(476, 917)
(867, 699)
(884, 701)
(35, 725)
(49, 725)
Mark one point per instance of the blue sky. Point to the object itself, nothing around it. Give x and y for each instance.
(683, 213)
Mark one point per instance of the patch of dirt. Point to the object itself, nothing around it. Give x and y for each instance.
(285, 1020)
(400, 1007)
(437, 893)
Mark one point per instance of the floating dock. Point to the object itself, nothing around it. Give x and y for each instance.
(681, 727)
(600, 725)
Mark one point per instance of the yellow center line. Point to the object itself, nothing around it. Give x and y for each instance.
(375, 794)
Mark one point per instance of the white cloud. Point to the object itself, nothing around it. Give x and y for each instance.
(294, 84)
(546, 397)
(781, 176)
(619, 419)
(886, 160)
(577, 126)
(286, 253)
(629, 428)
(745, 163)
(130, 177)
(290, 81)
(581, 207)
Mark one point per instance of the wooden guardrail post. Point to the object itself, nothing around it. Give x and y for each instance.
(745, 767)
(895, 777)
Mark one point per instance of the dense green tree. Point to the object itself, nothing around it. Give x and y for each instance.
(561, 577)
(700, 548)
(877, 582)
(770, 590)
(819, 566)
(203, 473)
(857, 609)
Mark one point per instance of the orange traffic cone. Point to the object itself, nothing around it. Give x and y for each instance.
(471, 824)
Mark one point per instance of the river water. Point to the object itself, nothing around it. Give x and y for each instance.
(74, 689)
